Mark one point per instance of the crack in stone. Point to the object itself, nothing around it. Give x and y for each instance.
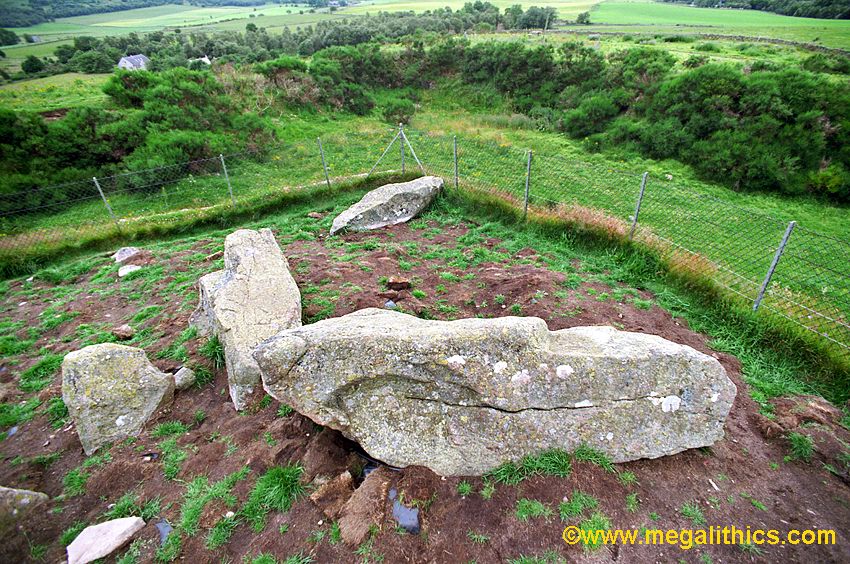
(504, 410)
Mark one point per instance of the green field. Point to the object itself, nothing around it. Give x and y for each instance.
(647, 17)
(67, 90)
(567, 9)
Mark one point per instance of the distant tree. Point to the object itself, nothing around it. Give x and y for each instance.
(251, 27)
(8, 37)
(32, 65)
(91, 62)
(583, 18)
(398, 110)
(29, 38)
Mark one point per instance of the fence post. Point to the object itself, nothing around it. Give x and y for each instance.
(105, 202)
(454, 141)
(637, 206)
(324, 166)
(776, 257)
(401, 133)
(527, 184)
(227, 178)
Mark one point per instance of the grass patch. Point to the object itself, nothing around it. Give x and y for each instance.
(552, 462)
(170, 428)
(527, 509)
(40, 375)
(692, 512)
(72, 532)
(802, 447)
(277, 490)
(213, 350)
(586, 453)
(576, 505)
(172, 457)
(596, 522)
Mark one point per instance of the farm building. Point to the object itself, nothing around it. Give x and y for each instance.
(134, 62)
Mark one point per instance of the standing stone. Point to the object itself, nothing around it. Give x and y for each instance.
(253, 298)
(461, 397)
(111, 391)
(389, 205)
(99, 541)
(15, 505)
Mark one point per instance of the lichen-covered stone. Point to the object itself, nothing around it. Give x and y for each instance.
(461, 397)
(184, 378)
(253, 298)
(389, 205)
(15, 505)
(111, 391)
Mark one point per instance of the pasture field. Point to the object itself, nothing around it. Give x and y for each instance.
(567, 9)
(67, 90)
(156, 18)
(655, 17)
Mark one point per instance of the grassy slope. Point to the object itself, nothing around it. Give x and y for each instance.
(60, 91)
(646, 17)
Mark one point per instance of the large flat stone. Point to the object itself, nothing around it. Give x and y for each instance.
(461, 397)
(101, 540)
(253, 298)
(389, 205)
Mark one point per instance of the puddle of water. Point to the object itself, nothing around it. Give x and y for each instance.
(406, 517)
(164, 529)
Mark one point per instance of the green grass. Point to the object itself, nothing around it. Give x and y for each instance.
(586, 453)
(72, 532)
(802, 446)
(213, 350)
(74, 482)
(40, 375)
(527, 509)
(596, 522)
(172, 457)
(692, 512)
(576, 505)
(464, 488)
(276, 490)
(552, 462)
(676, 18)
(170, 428)
(128, 506)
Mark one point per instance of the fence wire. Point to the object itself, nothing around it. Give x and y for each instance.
(695, 233)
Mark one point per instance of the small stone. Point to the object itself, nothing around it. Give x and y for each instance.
(125, 253)
(315, 215)
(229, 515)
(184, 378)
(390, 304)
(31, 278)
(127, 269)
(22, 304)
(102, 540)
(124, 332)
(398, 283)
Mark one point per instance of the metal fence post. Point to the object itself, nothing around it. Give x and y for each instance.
(227, 178)
(454, 142)
(106, 202)
(776, 257)
(401, 133)
(324, 166)
(637, 206)
(527, 184)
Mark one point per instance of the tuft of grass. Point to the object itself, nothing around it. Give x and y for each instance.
(203, 376)
(586, 453)
(464, 488)
(56, 411)
(214, 351)
(12, 414)
(170, 428)
(172, 457)
(488, 489)
(284, 410)
(802, 446)
(596, 522)
(576, 505)
(632, 502)
(40, 375)
(552, 462)
(277, 490)
(128, 506)
(74, 482)
(529, 508)
(72, 532)
(221, 532)
(627, 479)
(477, 538)
(693, 512)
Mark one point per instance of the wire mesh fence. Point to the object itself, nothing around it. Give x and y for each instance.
(787, 270)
